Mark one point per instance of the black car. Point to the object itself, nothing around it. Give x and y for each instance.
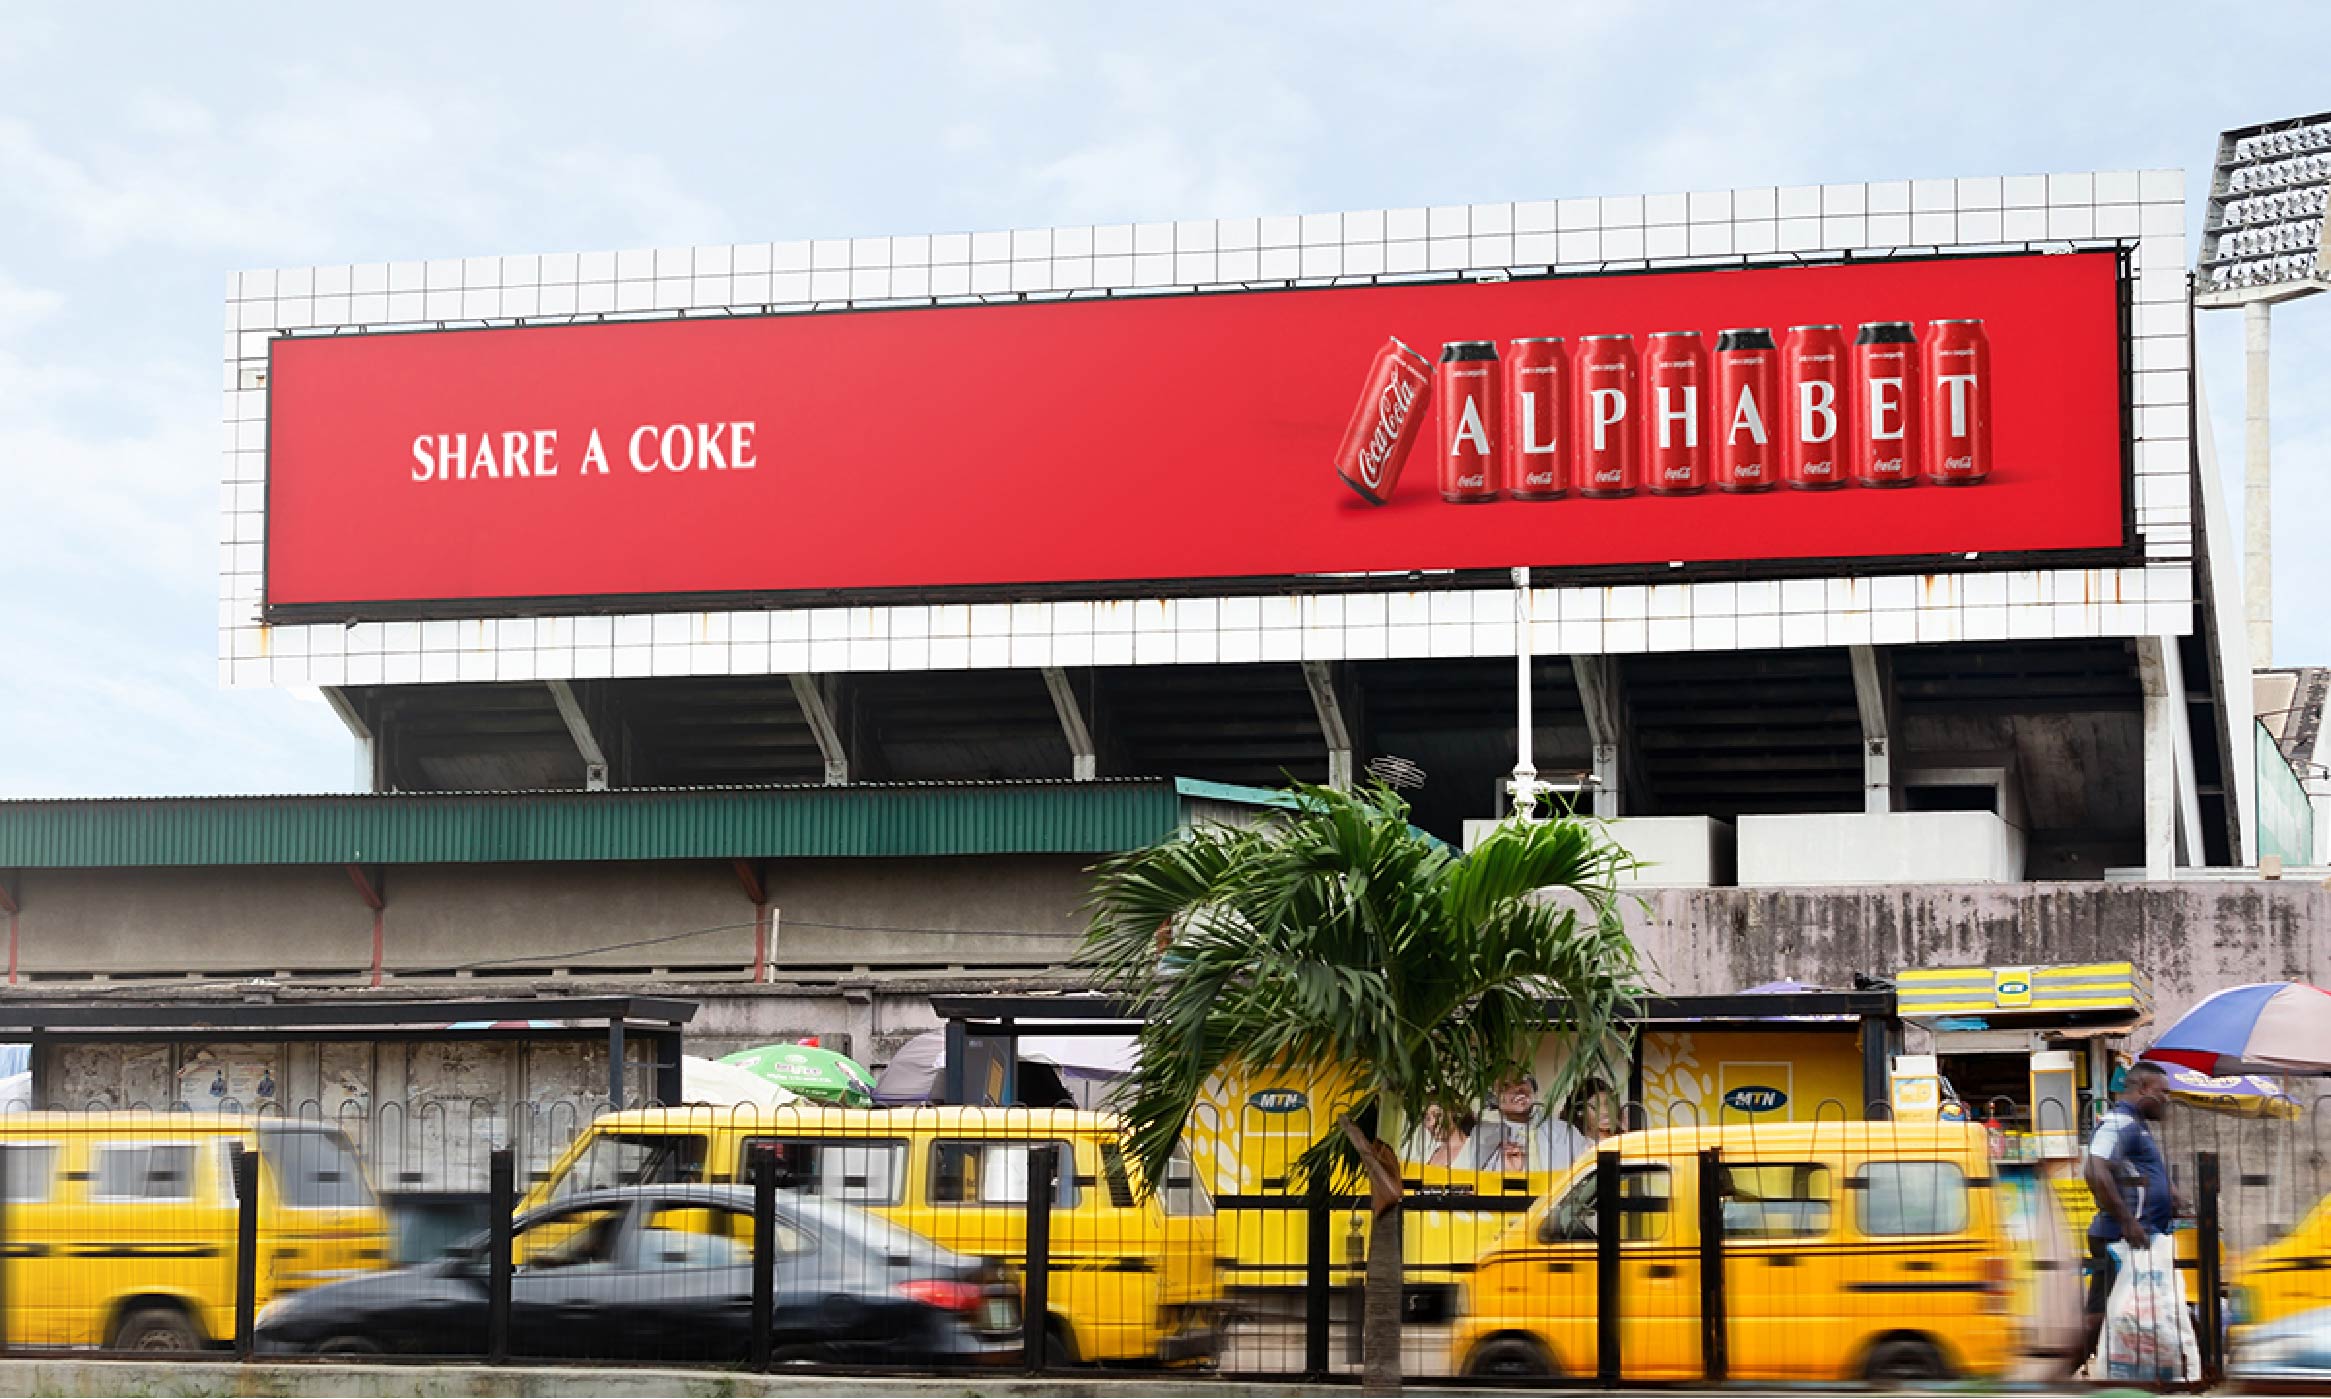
(664, 1273)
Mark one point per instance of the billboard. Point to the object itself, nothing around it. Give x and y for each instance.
(1181, 441)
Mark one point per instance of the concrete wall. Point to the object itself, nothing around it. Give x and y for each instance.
(2188, 938)
(133, 922)
(1019, 910)
(1887, 847)
(522, 921)
(426, 1113)
(646, 914)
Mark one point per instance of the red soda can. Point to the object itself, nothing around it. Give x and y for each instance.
(1385, 423)
(1813, 378)
(1885, 376)
(1535, 438)
(1675, 381)
(1606, 408)
(1958, 403)
(1466, 384)
(1748, 379)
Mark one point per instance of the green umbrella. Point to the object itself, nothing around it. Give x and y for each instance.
(820, 1075)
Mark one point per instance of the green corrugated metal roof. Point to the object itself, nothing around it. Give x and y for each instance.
(460, 828)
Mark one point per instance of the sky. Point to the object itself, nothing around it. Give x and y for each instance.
(146, 152)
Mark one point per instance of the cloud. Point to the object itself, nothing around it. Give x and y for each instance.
(988, 55)
(21, 305)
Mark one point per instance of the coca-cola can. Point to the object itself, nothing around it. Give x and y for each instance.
(1606, 416)
(1385, 422)
(1813, 388)
(1466, 383)
(1885, 375)
(1958, 403)
(1535, 438)
(1675, 384)
(1748, 378)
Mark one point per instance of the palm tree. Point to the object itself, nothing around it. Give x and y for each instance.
(1339, 937)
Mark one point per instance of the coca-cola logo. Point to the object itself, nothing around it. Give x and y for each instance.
(1676, 473)
(1392, 408)
(1963, 464)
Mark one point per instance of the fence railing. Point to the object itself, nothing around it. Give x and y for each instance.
(915, 1240)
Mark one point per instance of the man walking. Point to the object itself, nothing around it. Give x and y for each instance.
(2129, 1177)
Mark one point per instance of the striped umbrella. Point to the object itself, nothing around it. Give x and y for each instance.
(2275, 1027)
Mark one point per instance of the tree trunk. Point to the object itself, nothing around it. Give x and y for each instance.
(1380, 1312)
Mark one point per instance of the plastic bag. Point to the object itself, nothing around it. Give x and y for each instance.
(2148, 1336)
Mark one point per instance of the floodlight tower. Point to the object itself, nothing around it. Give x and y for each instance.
(2264, 241)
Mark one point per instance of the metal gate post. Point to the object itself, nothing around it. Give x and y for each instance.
(1715, 1340)
(1318, 1285)
(246, 1171)
(501, 1203)
(1036, 1310)
(764, 1251)
(2208, 1282)
(1606, 1267)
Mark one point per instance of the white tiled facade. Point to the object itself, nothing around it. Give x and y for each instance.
(2145, 209)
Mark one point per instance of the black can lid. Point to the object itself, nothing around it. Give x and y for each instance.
(1468, 349)
(1886, 333)
(1748, 338)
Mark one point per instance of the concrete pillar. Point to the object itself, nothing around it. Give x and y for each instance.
(1604, 703)
(1321, 679)
(1873, 691)
(367, 758)
(811, 696)
(2257, 488)
(2162, 717)
(579, 728)
(1084, 763)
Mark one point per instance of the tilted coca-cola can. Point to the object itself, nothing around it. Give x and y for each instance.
(1813, 386)
(1536, 438)
(1958, 403)
(1385, 423)
(1605, 405)
(1886, 372)
(1675, 389)
(1466, 383)
(1748, 378)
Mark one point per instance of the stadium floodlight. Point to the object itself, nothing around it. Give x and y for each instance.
(2263, 241)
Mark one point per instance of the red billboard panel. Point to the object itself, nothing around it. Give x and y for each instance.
(1897, 409)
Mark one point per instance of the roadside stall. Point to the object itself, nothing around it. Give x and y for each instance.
(2028, 1050)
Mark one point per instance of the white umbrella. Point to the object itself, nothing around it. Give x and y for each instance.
(714, 1084)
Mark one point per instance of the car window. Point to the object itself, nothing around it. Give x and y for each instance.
(1183, 1194)
(860, 1172)
(572, 1239)
(1643, 1197)
(667, 1223)
(611, 1160)
(1776, 1201)
(1911, 1197)
(143, 1171)
(314, 1170)
(31, 1169)
(995, 1173)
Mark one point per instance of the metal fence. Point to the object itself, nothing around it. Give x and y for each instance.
(1827, 1249)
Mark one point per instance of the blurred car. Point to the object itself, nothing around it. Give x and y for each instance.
(2298, 1347)
(665, 1273)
